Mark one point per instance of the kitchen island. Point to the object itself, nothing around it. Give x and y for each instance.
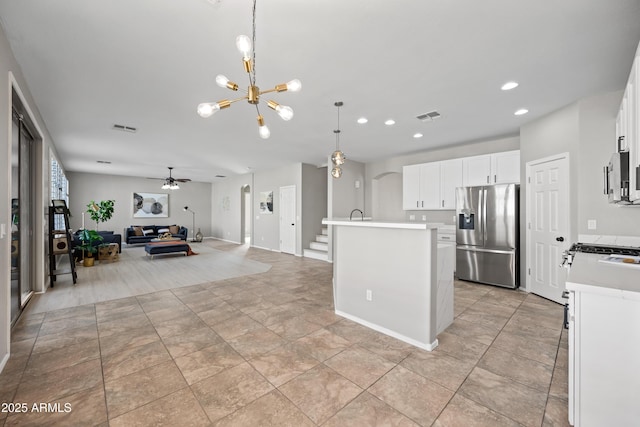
(390, 277)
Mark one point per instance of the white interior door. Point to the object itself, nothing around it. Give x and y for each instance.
(288, 219)
(547, 225)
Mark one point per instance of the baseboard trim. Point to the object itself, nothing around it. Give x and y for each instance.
(381, 329)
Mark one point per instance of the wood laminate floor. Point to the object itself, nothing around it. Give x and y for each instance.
(266, 349)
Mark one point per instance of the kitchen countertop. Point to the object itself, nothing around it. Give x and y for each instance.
(588, 273)
(380, 224)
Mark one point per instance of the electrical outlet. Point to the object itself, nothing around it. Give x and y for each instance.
(591, 224)
(369, 295)
(424, 217)
(412, 217)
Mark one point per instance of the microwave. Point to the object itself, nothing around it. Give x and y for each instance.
(616, 178)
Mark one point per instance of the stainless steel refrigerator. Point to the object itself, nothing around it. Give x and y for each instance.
(487, 230)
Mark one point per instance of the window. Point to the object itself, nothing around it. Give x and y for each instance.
(59, 189)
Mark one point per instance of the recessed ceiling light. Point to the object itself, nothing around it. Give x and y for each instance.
(521, 112)
(417, 135)
(390, 122)
(362, 120)
(509, 85)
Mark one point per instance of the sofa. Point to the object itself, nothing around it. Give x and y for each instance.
(145, 233)
(107, 237)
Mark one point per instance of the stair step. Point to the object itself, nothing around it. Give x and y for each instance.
(325, 231)
(322, 238)
(319, 246)
(311, 253)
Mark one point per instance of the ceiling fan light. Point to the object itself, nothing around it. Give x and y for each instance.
(174, 186)
(336, 172)
(165, 186)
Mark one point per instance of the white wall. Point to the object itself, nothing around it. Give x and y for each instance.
(84, 187)
(314, 202)
(226, 202)
(11, 76)
(343, 194)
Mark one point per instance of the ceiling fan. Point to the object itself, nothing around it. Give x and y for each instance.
(171, 183)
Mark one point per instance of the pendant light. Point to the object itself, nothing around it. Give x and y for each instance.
(246, 46)
(337, 157)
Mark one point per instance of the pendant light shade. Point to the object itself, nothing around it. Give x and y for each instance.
(336, 172)
(337, 157)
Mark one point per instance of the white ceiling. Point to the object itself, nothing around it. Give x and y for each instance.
(148, 63)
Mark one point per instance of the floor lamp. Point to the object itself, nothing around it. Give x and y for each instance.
(193, 230)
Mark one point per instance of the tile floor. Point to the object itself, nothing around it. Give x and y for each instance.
(267, 350)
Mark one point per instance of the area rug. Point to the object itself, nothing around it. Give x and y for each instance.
(136, 273)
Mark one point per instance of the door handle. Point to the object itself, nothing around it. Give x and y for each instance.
(560, 239)
(292, 224)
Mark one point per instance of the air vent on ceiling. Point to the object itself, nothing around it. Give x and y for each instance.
(125, 128)
(431, 115)
(220, 176)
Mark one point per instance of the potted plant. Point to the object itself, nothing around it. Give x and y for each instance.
(88, 237)
(100, 212)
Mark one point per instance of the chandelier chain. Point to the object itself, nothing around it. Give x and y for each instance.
(253, 44)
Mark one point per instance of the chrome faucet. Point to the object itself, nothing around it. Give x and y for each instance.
(358, 210)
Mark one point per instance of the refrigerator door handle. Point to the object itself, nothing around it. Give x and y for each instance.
(483, 204)
(490, 251)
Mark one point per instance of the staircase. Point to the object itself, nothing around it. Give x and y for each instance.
(319, 249)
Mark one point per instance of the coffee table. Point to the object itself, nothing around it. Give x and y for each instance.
(170, 239)
(166, 247)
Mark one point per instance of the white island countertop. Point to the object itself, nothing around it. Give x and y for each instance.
(589, 273)
(379, 224)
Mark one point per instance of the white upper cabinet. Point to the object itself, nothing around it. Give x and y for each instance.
(450, 179)
(497, 168)
(628, 126)
(411, 187)
(476, 170)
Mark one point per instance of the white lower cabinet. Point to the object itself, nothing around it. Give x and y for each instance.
(604, 357)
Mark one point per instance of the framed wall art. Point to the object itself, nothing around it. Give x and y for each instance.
(150, 205)
(266, 202)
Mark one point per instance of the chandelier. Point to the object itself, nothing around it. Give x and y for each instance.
(337, 157)
(247, 47)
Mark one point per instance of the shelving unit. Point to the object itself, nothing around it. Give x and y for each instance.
(60, 241)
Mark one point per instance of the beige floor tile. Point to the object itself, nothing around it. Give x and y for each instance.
(60, 383)
(132, 359)
(525, 347)
(359, 365)
(67, 324)
(221, 312)
(63, 339)
(292, 329)
(351, 331)
(192, 340)
(230, 390)
(121, 325)
(132, 391)
(236, 325)
(177, 409)
(41, 363)
(158, 301)
(518, 368)
(133, 337)
(560, 382)
(477, 332)
(462, 412)
(388, 347)
(460, 348)
(179, 326)
(166, 314)
(507, 397)
(270, 410)
(556, 413)
(544, 320)
(320, 393)
(412, 395)
(256, 342)
(366, 411)
(128, 307)
(322, 344)
(207, 362)
(283, 364)
(79, 311)
(439, 367)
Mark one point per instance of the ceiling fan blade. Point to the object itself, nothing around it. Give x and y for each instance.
(182, 179)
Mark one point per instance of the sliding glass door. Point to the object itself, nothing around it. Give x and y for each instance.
(21, 215)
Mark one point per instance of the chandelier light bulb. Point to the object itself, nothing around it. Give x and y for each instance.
(263, 130)
(285, 112)
(294, 85)
(221, 80)
(243, 43)
(206, 109)
(336, 172)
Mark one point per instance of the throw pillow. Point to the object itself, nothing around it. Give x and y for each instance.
(148, 231)
(137, 231)
(174, 229)
(163, 230)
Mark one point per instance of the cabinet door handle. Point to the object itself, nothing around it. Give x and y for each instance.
(423, 203)
(417, 203)
(606, 179)
(488, 181)
(495, 178)
(443, 203)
